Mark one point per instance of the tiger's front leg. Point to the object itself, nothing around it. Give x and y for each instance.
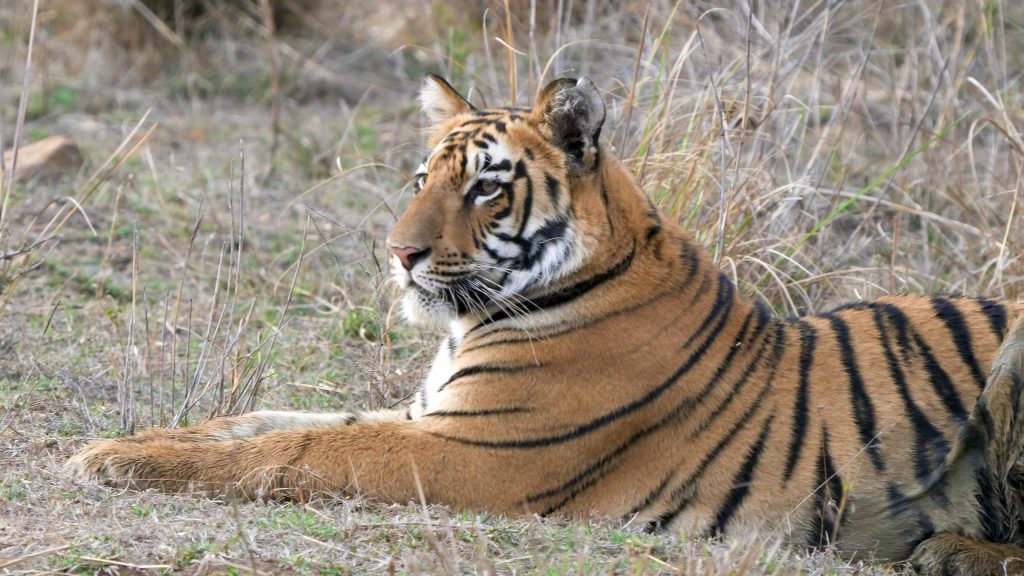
(249, 425)
(386, 460)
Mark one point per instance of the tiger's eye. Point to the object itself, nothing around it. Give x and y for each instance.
(489, 186)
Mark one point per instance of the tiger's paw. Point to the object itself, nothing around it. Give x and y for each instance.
(140, 464)
(110, 462)
(955, 555)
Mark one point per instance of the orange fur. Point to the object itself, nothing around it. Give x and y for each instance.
(629, 377)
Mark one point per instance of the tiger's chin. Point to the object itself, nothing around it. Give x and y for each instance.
(426, 311)
(423, 308)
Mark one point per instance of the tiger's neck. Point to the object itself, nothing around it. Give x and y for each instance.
(618, 219)
(632, 253)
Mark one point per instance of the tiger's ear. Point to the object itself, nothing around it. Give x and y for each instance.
(440, 101)
(570, 114)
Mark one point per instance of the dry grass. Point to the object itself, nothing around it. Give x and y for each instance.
(222, 251)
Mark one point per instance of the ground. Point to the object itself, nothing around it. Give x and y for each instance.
(223, 249)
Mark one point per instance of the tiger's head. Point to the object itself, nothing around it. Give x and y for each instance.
(492, 217)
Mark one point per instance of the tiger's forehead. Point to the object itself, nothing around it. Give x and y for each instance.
(480, 134)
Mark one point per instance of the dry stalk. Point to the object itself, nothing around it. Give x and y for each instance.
(511, 52)
(628, 107)
(8, 562)
(177, 312)
(20, 125)
(273, 56)
(723, 199)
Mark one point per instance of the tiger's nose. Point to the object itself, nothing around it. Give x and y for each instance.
(409, 255)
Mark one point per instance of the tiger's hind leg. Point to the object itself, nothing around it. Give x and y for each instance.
(995, 432)
(997, 417)
(948, 554)
(989, 453)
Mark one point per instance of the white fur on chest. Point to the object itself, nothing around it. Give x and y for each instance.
(428, 397)
(440, 371)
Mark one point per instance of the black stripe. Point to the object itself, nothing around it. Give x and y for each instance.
(504, 166)
(607, 209)
(742, 481)
(653, 495)
(580, 481)
(684, 491)
(954, 319)
(667, 516)
(567, 294)
(519, 241)
(898, 503)
(488, 250)
(542, 240)
(616, 414)
(484, 369)
(510, 200)
(533, 337)
(937, 377)
(690, 258)
(463, 159)
(724, 299)
(930, 446)
(899, 322)
(808, 338)
(483, 412)
(996, 314)
(993, 524)
(829, 495)
(925, 529)
(940, 381)
(742, 339)
(520, 171)
(863, 410)
(778, 348)
(654, 228)
(553, 188)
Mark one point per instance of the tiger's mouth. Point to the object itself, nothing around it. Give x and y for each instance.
(439, 295)
(464, 294)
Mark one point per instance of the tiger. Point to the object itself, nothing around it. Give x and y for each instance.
(597, 361)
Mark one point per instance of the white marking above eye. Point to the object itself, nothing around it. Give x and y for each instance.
(419, 178)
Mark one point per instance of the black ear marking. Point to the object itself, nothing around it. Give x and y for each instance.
(571, 113)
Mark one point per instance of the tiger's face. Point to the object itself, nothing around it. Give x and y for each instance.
(492, 220)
